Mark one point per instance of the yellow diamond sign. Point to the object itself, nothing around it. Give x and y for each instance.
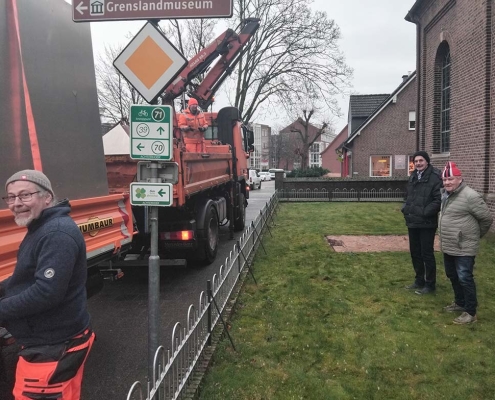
(150, 62)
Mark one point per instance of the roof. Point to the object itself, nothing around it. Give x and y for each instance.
(341, 136)
(116, 141)
(312, 129)
(362, 105)
(414, 9)
(381, 107)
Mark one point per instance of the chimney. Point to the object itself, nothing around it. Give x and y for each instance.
(404, 78)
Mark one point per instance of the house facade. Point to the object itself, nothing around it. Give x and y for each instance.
(455, 59)
(292, 145)
(383, 144)
(260, 157)
(332, 160)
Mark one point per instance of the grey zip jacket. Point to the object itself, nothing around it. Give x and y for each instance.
(464, 219)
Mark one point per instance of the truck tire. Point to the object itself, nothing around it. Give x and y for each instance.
(211, 235)
(240, 217)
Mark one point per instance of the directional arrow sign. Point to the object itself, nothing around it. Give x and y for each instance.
(151, 194)
(151, 132)
(106, 10)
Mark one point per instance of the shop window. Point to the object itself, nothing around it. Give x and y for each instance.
(380, 166)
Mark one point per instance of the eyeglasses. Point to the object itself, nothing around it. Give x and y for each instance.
(22, 197)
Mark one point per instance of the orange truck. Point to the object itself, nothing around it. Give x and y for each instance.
(210, 179)
(49, 121)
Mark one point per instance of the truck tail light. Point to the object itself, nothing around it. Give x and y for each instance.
(178, 235)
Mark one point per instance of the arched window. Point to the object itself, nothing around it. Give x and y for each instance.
(441, 100)
(445, 105)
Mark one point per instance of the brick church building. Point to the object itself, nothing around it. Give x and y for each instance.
(456, 83)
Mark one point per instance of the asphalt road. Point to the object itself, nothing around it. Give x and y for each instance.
(119, 315)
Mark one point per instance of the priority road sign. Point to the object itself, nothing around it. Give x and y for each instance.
(151, 194)
(151, 132)
(106, 10)
(150, 62)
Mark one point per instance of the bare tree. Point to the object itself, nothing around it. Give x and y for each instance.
(282, 150)
(115, 94)
(294, 51)
(308, 133)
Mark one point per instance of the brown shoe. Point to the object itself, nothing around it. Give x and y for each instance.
(453, 307)
(465, 318)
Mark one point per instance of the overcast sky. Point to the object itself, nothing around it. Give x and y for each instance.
(376, 40)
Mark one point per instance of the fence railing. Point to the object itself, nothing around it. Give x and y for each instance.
(172, 368)
(341, 195)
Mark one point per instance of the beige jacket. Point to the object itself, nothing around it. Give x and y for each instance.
(464, 218)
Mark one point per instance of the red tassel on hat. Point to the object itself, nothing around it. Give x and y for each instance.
(451, 170)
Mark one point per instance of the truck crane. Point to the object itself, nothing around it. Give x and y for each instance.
(209, 187)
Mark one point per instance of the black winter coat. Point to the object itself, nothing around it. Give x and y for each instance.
(423, 199)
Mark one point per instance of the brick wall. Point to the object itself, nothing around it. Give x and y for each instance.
(466, 26)
(387, 134)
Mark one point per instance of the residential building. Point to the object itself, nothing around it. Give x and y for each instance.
(290, 157)
(455, 59)
(385, 141)
(330, 158)
(260, 158)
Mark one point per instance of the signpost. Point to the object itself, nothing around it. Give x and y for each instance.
(151, 139)
(105, 10)
(151, 132)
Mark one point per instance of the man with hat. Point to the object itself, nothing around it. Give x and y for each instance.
(464, 219)
(43, 303)
(193, 123)
(421, 214)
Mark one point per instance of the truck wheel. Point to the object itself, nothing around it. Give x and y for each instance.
(211, 235)
(240, 218)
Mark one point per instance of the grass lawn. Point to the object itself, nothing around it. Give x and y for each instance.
(327, 325)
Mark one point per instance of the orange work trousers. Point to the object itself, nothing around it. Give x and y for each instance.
(53, 372)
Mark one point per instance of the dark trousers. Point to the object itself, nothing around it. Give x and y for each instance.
(422, 255)
(459, 270)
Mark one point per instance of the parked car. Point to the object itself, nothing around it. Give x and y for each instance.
(254, 180)
(265, 176)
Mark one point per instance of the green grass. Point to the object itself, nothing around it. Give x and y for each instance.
(327, 325)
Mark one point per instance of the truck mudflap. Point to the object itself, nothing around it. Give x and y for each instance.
(105, 222)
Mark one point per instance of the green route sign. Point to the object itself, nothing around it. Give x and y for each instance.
(151, 132)
(151, 194)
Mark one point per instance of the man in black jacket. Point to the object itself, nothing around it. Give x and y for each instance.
(421, 213)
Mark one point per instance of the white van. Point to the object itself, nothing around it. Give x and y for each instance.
(273, 170)
(254, 180)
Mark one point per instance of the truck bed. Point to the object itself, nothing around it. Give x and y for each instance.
(106, 223)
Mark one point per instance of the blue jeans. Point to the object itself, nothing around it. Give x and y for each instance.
(459, 270)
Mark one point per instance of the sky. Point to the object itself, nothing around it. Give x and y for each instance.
(378, 44)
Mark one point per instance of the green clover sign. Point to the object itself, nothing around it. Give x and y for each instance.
(140, 193)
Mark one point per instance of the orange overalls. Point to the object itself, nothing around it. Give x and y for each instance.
(194, 137)
(53, 371)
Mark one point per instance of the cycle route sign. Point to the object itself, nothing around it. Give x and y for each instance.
(151, 132)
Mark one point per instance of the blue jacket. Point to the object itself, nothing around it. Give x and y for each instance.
(45, 299)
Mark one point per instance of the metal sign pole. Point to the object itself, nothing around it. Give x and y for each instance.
(153, 283)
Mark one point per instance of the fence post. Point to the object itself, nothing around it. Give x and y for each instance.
(209, 293)
(239, 256)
